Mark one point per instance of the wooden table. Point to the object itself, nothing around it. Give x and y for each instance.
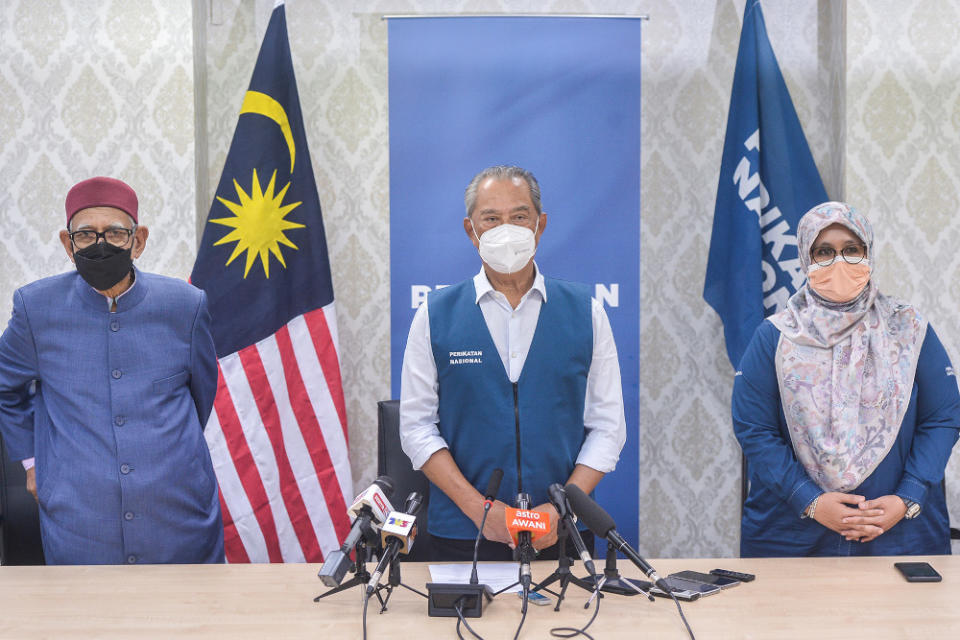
(818, 598)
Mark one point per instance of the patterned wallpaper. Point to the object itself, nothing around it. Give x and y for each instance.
(88, 88)
(109, 87)
(690, 461)
(903, 158)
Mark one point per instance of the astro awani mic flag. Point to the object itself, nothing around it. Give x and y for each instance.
(278, 431)
(768, 180)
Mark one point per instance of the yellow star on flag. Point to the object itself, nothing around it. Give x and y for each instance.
(258, 224)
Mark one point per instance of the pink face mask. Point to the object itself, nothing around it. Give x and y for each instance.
(841, 281)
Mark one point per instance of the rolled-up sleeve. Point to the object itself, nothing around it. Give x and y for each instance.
(603, 416)
(419, 394)
(18, 369)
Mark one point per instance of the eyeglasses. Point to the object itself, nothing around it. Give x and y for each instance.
(851, 254)
(118, 237)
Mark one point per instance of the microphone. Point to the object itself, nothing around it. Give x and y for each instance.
(558, 496)
(493, 487)
(369, 508)
(600, 522)
(465, 600)
(525, 525)
(397, 535)
(521, 523)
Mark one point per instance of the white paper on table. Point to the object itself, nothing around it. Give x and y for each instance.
(496, 575)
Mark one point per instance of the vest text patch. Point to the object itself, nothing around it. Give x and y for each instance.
(466, 357)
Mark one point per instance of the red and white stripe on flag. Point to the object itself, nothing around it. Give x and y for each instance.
(278, 438)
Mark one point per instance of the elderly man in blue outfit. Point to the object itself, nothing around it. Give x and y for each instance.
(107, 376)
(509, 369)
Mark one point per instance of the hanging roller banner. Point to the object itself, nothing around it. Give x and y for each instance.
(559, 96)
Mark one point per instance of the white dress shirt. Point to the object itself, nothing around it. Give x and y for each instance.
(512, 332)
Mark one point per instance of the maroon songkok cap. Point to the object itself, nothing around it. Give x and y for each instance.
(101, 192)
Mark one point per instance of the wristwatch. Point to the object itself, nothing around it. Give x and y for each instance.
(913, 509)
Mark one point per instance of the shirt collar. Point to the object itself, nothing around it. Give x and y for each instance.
(112, 301)
(483, 287)
(95, 300)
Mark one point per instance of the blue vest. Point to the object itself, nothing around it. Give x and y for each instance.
(533, 429)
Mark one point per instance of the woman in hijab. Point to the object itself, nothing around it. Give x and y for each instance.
(846, 407)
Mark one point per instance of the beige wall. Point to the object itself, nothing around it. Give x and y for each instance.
(902, 164)
(880, 115)
(690, 461)
(89, 87)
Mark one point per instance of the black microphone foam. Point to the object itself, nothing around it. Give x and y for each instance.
(603, 525)
(494, 485)
(413, 503)
(385, 483)
(559, 498)
(592, 514)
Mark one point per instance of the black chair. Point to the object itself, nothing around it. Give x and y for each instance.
(20, 542)
(393, 462)
(954, 532)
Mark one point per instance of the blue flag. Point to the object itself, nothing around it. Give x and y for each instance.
(768, 180)
(263, 257)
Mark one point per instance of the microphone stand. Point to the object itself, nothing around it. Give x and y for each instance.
(534, 585)
(562, 572)
(360, 574)
(616, 584)
(393, 581)
(525, 554)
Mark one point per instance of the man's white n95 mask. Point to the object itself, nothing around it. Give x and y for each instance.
(507, 248)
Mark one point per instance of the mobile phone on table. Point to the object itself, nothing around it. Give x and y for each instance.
(721, 581)
(736, 575)
(679, 584)
(918, 572)
(536, 598)
(649, 587)
(680, 594)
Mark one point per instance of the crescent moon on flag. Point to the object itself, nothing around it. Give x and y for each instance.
(261, 103)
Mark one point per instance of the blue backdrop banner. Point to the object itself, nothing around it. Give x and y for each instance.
(559, 96)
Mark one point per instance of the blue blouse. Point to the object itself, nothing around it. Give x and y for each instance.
(781, 490)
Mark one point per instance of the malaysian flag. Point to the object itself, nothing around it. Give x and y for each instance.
(278, 431)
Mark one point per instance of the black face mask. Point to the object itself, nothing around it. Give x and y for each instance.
(103, 265)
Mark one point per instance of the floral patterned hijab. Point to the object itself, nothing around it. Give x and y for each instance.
(845, 370)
